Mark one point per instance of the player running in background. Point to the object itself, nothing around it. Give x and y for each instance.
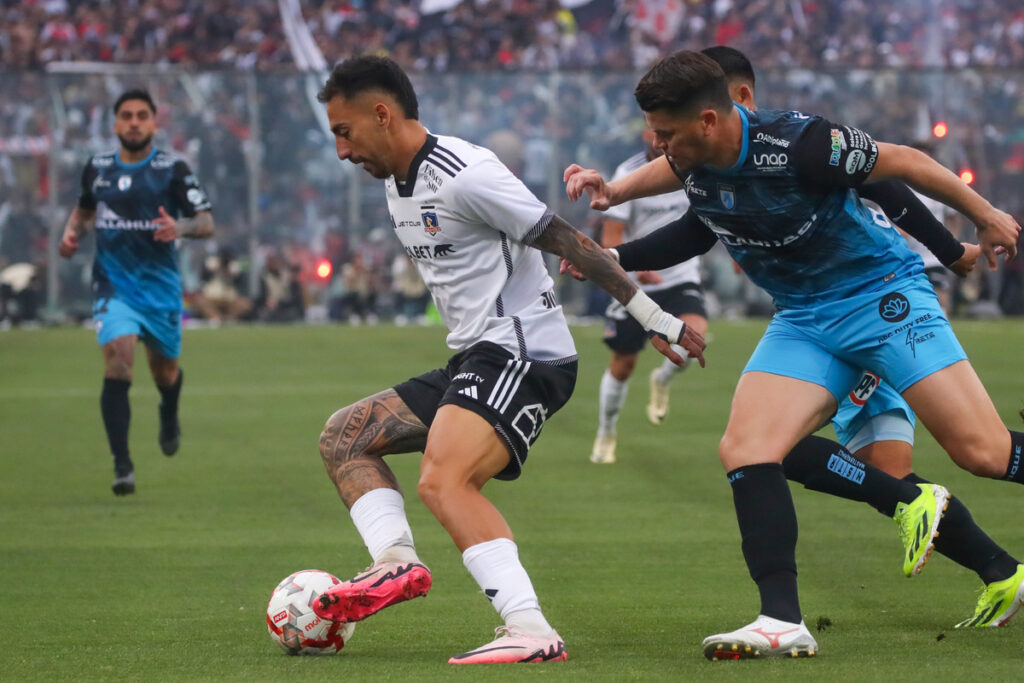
(139, 200)
(676, 289)
(475, 233)
(874, 423)
(776, 188)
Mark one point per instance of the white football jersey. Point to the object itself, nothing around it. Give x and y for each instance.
(467, 222)
(647, 214)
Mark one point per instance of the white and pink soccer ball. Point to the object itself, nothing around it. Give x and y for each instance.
(292, 622)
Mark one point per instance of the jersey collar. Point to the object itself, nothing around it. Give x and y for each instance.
(746, 139)
(405, 189)
(137, 164)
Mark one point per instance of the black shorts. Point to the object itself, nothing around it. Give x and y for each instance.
(515, 396)
(623, 334)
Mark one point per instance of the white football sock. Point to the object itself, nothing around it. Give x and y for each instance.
(495, 566)
(379, 516)
(667, 370)
(613, 397)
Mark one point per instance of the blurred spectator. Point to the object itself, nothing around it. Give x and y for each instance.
(280, 298)
(411, 296)
(220, 298)
(360, 296)
(19, 294)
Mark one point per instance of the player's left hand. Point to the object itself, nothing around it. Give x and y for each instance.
(965, 264)
(998, 233)
(167, 230)
(690, 339)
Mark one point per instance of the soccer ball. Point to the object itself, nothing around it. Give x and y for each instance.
(292, 622)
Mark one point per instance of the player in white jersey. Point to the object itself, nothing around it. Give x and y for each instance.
(469, 225)
(676, 289)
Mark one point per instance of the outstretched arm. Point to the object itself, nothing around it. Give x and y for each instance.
(601, 268)
(997, 230)
(654, 177)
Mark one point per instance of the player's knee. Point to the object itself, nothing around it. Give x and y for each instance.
(118, 366)
(338, 435)
(984, 455)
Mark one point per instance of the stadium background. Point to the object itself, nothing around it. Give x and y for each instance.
(635, 563)
(543, 84)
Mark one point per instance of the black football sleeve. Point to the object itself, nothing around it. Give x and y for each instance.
(189, 197)
(87, 200)
(906, 211)
(678, 241)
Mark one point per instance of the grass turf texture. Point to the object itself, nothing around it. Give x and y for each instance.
(635, 563)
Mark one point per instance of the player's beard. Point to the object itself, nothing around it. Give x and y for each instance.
(135, 145)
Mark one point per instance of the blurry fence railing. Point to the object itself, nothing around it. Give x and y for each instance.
(258, 142)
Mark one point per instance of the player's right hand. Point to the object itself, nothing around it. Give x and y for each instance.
(580, 181)
(69, 244)
(965, 264)
(998, 233)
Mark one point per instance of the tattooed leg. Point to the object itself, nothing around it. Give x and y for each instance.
(357, 437)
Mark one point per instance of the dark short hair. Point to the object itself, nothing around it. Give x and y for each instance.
(135, 94)
(684, 83)
(362, 74)
(733, 62)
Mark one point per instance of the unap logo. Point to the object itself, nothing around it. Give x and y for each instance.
(869, 381)
(893, 307)
(727, 195)
(430, 224)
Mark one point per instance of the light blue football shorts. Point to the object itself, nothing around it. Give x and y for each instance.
(872, 412)
(899, 333)
(160, 330)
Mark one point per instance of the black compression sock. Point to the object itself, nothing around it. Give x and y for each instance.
(823, 465)
(117, 415)
(963, 541)
(169, 398)
(767, 520)
(1015, 468)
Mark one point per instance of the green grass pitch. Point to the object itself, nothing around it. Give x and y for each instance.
(634, 563)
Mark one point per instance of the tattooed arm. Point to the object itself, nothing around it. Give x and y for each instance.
(598, 266)
(170, 229)
(80, 222)
(357, 436)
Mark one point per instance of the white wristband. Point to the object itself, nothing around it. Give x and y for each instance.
(653, 319)
(614, 252)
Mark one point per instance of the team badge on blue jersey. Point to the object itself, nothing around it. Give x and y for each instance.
(430, 224)
(124, 182)
(727, 194)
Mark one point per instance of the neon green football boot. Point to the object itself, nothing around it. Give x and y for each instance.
(998, 602)
(918, 523)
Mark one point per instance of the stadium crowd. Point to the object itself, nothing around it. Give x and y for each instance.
(303, 198)
(441, 35)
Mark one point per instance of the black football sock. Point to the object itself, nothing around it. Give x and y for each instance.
(767, 519)
(963, 541)
(1015, 468)
(823, 465)
(117, 415)
(169, 398)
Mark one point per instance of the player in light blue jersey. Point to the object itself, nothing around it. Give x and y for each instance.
(139, 200)
(875, 424)
(778, 189)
